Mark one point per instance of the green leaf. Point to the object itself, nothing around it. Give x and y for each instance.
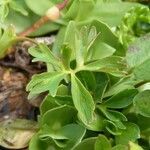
(104, 11)
(7, 39)
(102, 81)
(132, 133)
(37, 144)
(97, 124)
(83, 100)
(88, 80)
(47, 104)
(44, 54)
(105, 36)
(138, 52)
(19, 7)
(112, 128)
(64, 137)
(112, 115)
(39, 8)
(47, 81)
(100, 50)
(114, 65)
(87, 144)
(4, 10)
(120, 147)
(122, 99)
(102, 143)
(142, 103)
(66, 56)
(134, 146)
(58, 117)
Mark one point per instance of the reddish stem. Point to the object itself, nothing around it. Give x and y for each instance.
(42, 20)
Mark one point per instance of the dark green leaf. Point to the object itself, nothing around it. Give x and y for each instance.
(122, 99)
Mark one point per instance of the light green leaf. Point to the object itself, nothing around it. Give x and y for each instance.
(114, 65)
(47, 104)
(19, 7)
(112, 127)
(100, 50)
(132, 133)
(142, 103)
(120, 147)
(44, 54)
(47, 81)
(64, 137)
(102, 143)
(7, 39)
(134, 146)
(97, 124)
(122, 99)
(4, 10)
(58, 117)
(83, 100)
(102, 11)
(66, 56)
(87, 144)
(39, 8)
(138, 51)
(37, 144)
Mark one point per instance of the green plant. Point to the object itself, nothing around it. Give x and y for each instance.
(97, 78)
(81, 95)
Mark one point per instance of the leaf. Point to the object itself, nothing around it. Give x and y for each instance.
(134, 146)
(102, 143)
(47, 104)
(87, 144)
(4, 10)
(88, 80)
(66, 56)
(122, 99)
(43, 53)
(142, 103)
(47, 81)
(16, 134)
(106, 36)
(120, 147)
(58, 117)
(100, 50)
(138, 52)
(112, 115)
(64, 137)
(37, 144)
(107, 12)
(39, 8)
(19, 7)
(102, 81)
(97, 124)
(7, 39)
(83, 100)
(113, 65)
(138, 57)
(132, 133)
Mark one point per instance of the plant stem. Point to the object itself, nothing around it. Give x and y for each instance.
(44, 19)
